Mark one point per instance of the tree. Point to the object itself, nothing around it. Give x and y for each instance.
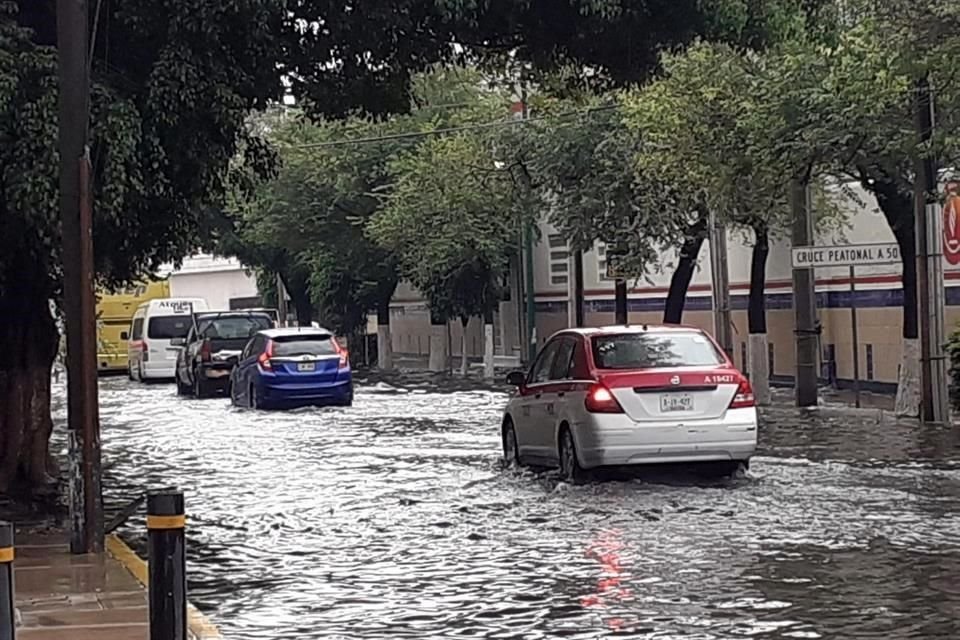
(171, 88)
(845, 104)
(698, 126)
(579, 156)
(344, 56)
(451, 218)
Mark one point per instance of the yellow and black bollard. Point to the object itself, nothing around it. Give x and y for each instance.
(7, 611)
(167, 566)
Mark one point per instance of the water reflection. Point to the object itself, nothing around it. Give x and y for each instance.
(395, 519)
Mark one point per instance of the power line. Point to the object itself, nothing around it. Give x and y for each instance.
(447, 130)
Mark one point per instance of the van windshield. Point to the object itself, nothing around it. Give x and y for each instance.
(651, 350)
(168, 327)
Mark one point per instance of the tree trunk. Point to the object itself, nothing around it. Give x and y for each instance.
(488, 346)
(28, 341)
(438, 346)
(304, 309)
(897, 208)
(384, 339)
(464, 360)
(758, 363)
(686, 266)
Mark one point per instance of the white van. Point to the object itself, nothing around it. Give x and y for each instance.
(154, 325)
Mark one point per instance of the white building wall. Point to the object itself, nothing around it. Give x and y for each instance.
(217, 280)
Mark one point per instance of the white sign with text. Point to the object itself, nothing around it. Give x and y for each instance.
(852, 255)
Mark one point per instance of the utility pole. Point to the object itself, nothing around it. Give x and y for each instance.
(804, 298)
(720, 282)
(76, 213)
(528, 231)
(620, 315)
(282, 309)
(578, 310)
(933, 369)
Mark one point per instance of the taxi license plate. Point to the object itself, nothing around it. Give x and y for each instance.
(305, 366)
(671, 402)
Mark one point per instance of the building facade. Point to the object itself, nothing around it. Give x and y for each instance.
(223, 282)
(878, 298)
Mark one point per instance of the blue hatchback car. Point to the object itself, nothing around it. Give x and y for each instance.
(292, 367)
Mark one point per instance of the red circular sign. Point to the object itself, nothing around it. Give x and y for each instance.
(951, 225)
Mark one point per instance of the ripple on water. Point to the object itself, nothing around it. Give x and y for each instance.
(394, 519)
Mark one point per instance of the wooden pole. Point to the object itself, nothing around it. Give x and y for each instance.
(76, 213)
(855, 333)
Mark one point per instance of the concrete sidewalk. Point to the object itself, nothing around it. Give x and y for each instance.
(81, 597)
(86, 597)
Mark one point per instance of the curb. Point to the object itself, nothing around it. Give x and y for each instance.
(198, 625)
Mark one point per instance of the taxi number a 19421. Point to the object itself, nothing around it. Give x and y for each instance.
(672, 402)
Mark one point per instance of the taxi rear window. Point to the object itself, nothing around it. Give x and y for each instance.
(652, 350)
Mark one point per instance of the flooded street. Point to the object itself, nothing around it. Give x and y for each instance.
(395, 519)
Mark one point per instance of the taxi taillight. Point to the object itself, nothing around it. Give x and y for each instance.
(744, 396)
(600, 400)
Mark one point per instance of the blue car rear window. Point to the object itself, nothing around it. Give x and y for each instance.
(304, 346)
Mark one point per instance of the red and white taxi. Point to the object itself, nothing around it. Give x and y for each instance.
(616, 396)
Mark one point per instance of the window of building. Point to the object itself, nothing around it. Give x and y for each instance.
(602, 263)
(559, 259)
(869, 362)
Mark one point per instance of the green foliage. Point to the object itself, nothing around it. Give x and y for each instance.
(451, 218)
(171, 92)
(366, 58)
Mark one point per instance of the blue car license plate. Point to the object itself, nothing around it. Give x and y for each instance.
(305, 366)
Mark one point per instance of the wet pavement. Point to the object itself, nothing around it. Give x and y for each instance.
(395, 519)
(59, 595)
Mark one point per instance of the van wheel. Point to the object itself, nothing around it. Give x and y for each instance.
(570, 469)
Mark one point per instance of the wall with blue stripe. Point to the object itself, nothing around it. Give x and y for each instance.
(865, 299)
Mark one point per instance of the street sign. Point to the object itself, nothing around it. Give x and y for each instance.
(850, 255)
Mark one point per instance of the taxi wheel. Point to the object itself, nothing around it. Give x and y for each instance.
(570, 469)
(511, 451)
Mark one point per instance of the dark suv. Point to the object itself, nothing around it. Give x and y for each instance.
(210, 350)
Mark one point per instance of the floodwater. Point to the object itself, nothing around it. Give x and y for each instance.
(395, 519)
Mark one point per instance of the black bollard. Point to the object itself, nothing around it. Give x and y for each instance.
(7, 611)
(167, 566)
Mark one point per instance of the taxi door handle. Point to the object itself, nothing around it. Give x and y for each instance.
(561, 394)
(537, 396)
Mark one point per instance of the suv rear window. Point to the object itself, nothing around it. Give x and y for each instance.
(319, 345)
(232, 327)
(168, 327)
(652, 350)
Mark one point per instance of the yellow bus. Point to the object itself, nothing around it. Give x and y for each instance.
(114, 312)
